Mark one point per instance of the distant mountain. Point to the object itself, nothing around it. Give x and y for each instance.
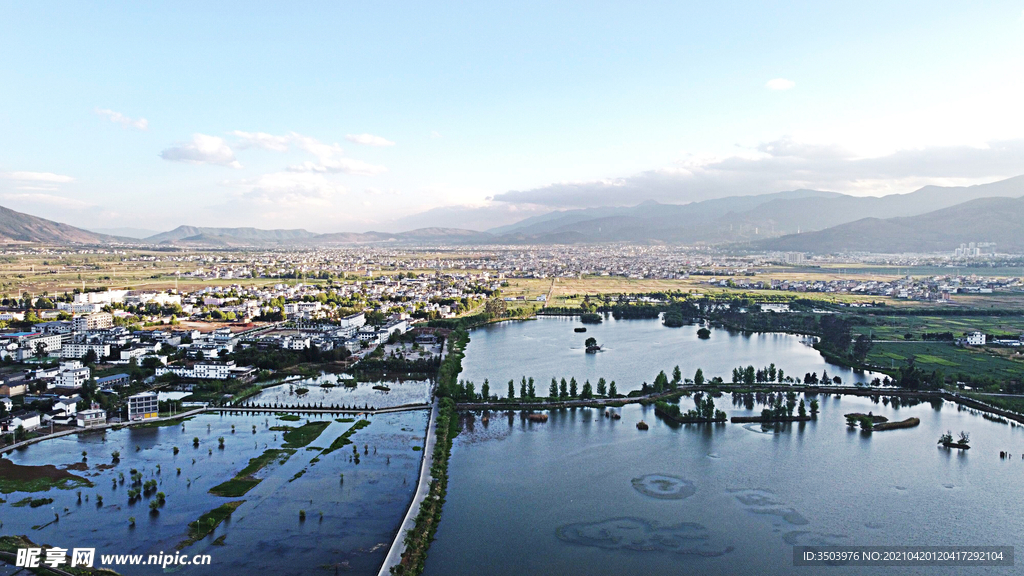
(419, 236)
(240, 236)
(138, 233)
(999, 220)
(740, 218)
(19, 227)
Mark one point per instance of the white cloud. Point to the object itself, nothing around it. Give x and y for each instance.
(330, 157)
(780, 84)
(262, 140)
(369, 140)
(39, 177)
(118, 118)
(342, 165)
(435, 134)
(788, 164)
(203, 149)
(48, 199)
(291, 189)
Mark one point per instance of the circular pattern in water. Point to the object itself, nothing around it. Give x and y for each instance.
(640, 535)
(664, 486)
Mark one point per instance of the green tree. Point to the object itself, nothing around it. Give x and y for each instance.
(660, 382)
(485, 390)
(530, 391)
(553, 389)
(512, 390)
(588, 391)
(563, 389)
(612, 392)
(861, 346)
(572, 387)
(590, 342)
(495, 308)
(698, 377)
(522, 387)
(602, 387)
(677, 375)
(749, 374)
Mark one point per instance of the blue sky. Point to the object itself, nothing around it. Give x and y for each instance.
(355, 116)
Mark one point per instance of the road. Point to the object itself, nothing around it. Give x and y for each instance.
(394, 556)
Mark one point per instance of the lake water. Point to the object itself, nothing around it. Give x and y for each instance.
(633, 352)
(585, 494)
(360, 515)
(363, 394)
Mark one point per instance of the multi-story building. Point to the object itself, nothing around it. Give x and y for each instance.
(976, 339)
(95, 321)
(91, 418)
(72, 375)
(80, 349)
(143, 406)
(203, 370)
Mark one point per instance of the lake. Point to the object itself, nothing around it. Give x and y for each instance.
(633, 352)
(585, 494)
(360, 515)
(328, 390)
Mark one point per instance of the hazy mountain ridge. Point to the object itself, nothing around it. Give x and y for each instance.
(20, 227)
(735, 219)
(245, 233)
(999, 220)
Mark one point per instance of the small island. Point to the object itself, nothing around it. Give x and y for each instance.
(591, 318)
(591, 345)
(703, 333)
(579, 329)
(703, 412)
(946, 440)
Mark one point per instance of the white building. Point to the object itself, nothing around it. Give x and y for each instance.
(91, 418)
(143, 406)
(94, 321)
(27, 420)
(204, 370)
(976, 339)
(67, 404)
(72, 375)
(79, 350)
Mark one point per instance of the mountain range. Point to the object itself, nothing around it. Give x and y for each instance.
(931, 218)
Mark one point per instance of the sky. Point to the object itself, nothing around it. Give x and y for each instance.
(356, 116)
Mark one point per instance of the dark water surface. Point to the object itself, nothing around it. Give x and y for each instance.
(264, 535)
(633, 352)
(584, 494)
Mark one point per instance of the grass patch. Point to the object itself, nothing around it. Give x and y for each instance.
(417, 448)
(244, 481)
(344, 420)
(18, 478)
(208, 522)
(33, 502)
(298, 475)
(290, 418)
(301, 437)
(344, 440)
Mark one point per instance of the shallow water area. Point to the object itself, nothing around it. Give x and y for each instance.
(329, 390)
(352, 509)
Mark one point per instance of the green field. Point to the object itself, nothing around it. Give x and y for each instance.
(951, 359)
(895, 327)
